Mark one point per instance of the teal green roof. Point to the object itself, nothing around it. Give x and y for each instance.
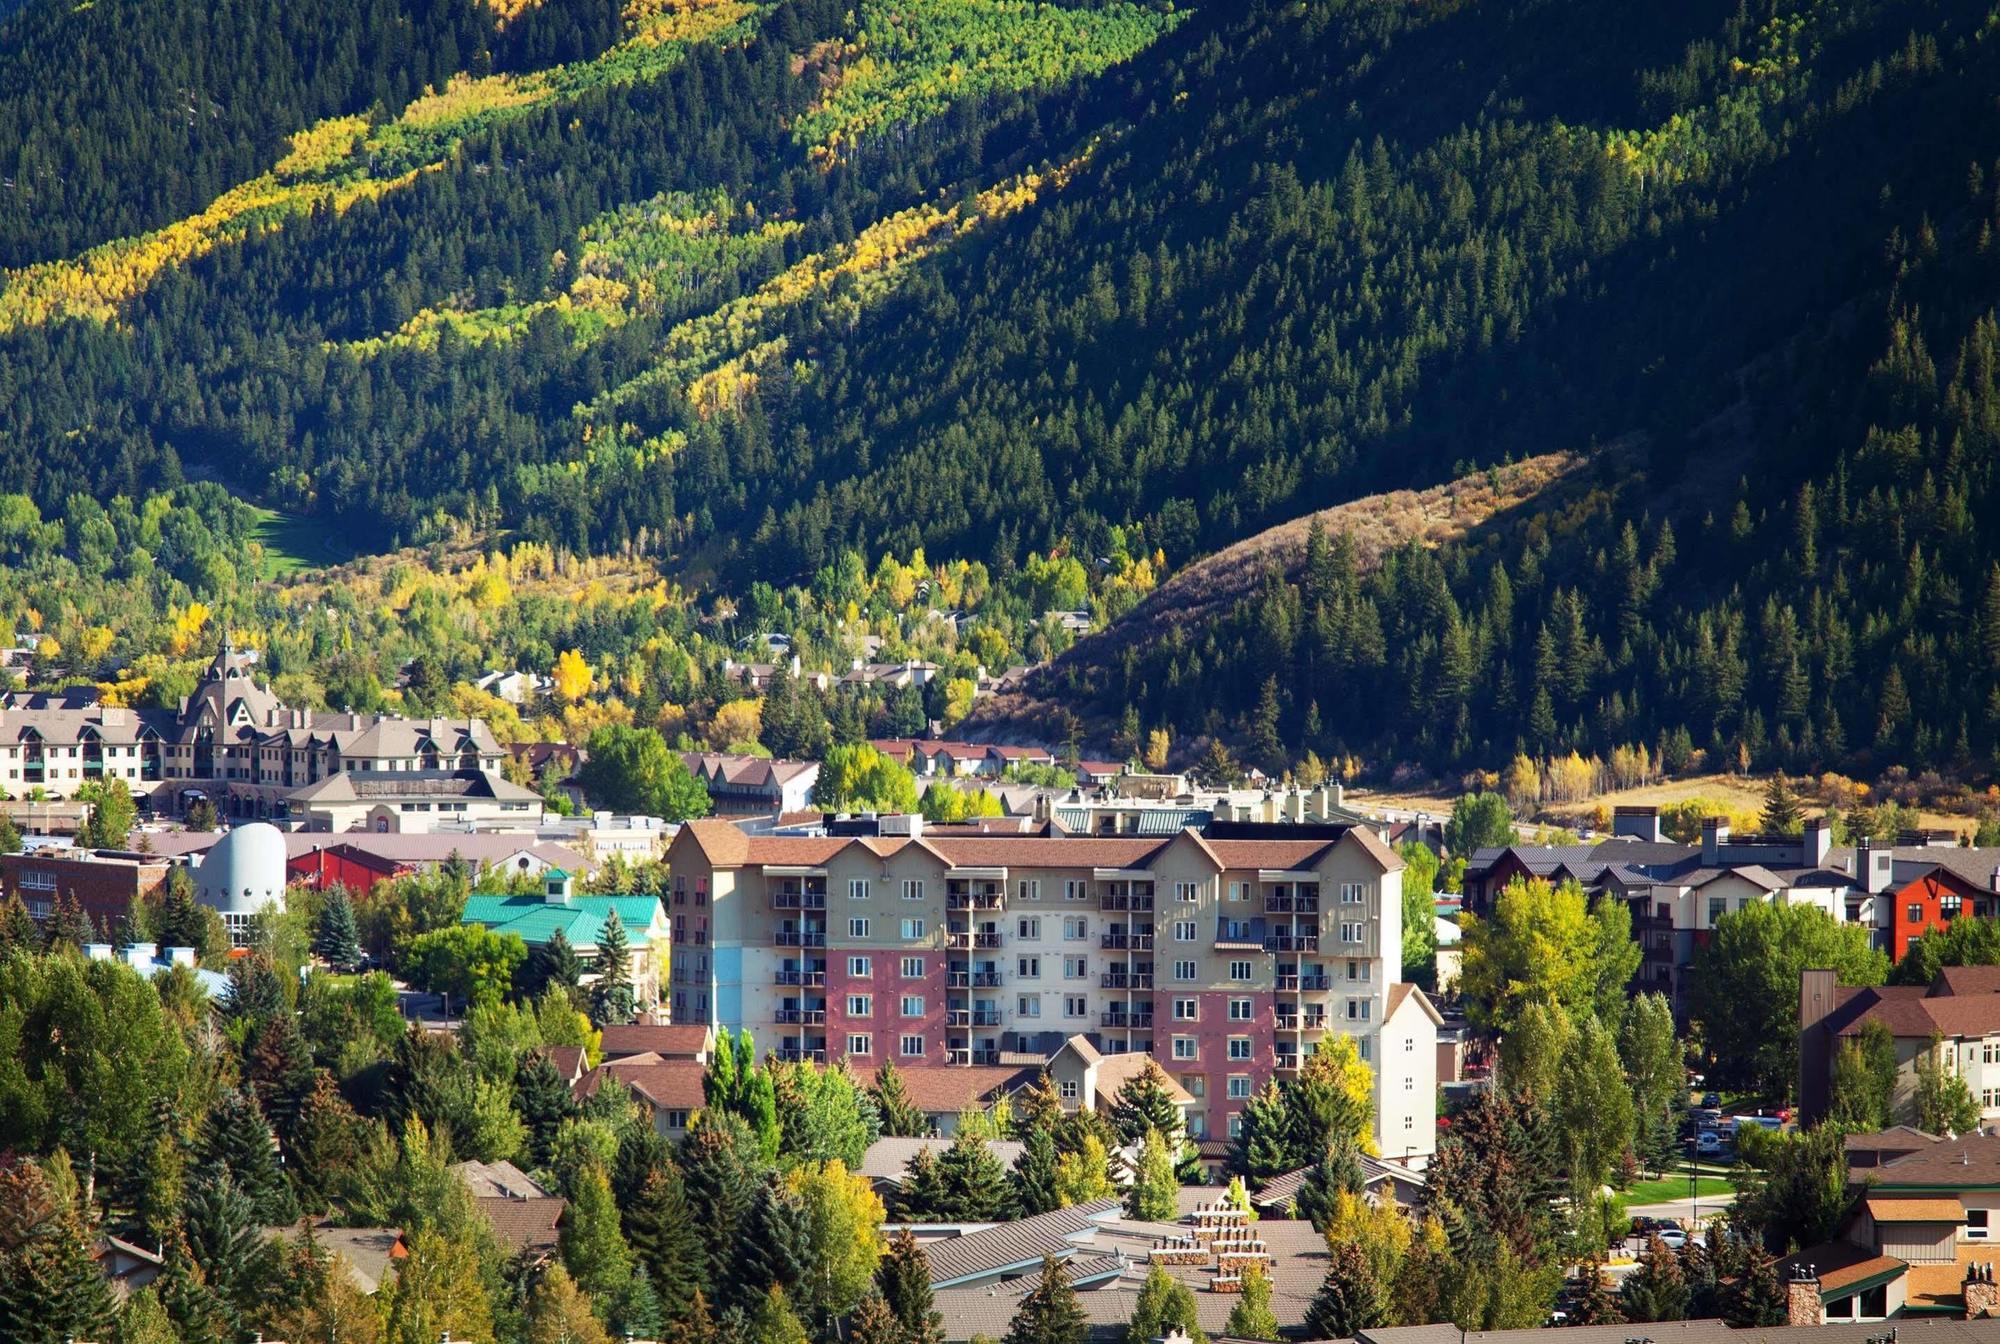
(579, 919)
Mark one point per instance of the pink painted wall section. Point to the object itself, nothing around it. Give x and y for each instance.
(1211, 1032)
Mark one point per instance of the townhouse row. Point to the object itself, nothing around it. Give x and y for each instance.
(1227, 960)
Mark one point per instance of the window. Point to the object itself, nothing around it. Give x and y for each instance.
(677, 1119)
(1239, 891)
(1028, 968)
(860, 1045)
(861, 967)
(1076, 1005)
(1365, 1047)
(1184, 1047)
(1075, 890)
(1239, 970)
(1350, 893)
(1197, 1126)
(1183, 930)
(1351, 933)
(1075, 928)
(913, 968)
(1239, 1086)
(1359, 1010)
(1029, 927)
(1717, 908)
(1236, 930)
(861, 1005)
(1409, 1045)
(913, 1045)
(857, 928)
(1028, 1005)
(1184, 971)
(1076, 968)
(1239, 1047)
(1029, 891)
(857, 890)
(1236, 1126)
(913, 888)
(1916, 914)
(1187, 891)
(1186, 1010)
(1976, 1228)
(1239, 1010)
(1068, 1089)
(1409, 1083)
(913, 1005)
(913, 928)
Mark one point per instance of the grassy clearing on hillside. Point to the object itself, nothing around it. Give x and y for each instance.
(293, 544)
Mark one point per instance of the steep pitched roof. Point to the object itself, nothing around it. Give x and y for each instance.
(938, 1089)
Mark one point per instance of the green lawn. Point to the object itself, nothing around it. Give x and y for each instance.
(292, 543)
(1706, 1186)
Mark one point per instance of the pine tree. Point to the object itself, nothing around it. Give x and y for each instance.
(1144, 1103)
(722, 1187)
(635, 1310)
(1050, 1313)
(1349, 1300)
(1596, 1301)
(544, 1103)
(1337, 1173)
(659, 1227)
(900, 1116)
(198, 1314)
(18, 927)
(904, 1278)
(611, 996)
(1251, 1317)
(226, 1241)
(973, 1184)
(336, 942)
(874, 1323)
(553, 963)
(153, 1185)
(778, 1249)
(181, 922)
(68, 925)
(1164, 1304)
(1782, 813)
(1154, 1194)
(131, 930)
(238, 1140)
(1035, 1176)
(1262, 1148)
(51, 1289)
(1657, 1290)
(1756, 1298)
(1267, 743)
(921, 1199)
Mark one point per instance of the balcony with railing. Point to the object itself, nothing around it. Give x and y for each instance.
(1125, 900)
(1120, 1019)
(798, 1054)
(1284, 902)
(801, 1017)
(976, 979)
(960, 939)
(955, 899)
(1291, 1019)
(798, 900)
(1286, 1061)
(1120, 941)
(972, 1017)
(801, 937)
(793, 976)
(1127, 980)
(1291, 982)
(1291, 942)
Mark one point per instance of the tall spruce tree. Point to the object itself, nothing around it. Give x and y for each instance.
(904, 1278)
(336, 941)
(51, 1289)
(660, 1228)
(544, 1103)
(226, 1240)
(1035, 1175)
(1658, 1289)
(1349, 1299)
(611, 995)
(972, 1184)
(238, 1139)
(899, 1115)
(1050, 1313)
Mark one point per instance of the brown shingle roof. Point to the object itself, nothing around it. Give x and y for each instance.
(524, 1224)
(1941, 1210)
(682, 1042)
(1972, 1162)
(1116, 1070)
(939, 1089)
(670, 1085)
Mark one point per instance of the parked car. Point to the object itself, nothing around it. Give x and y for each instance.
(1673, 1236)
(1709, 1143)
(1711, 1100)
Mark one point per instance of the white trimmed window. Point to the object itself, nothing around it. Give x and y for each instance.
(1184, 971)
(857, 889)
(913, 888)
(1028, 1005)
(913, 1045)
(861, 1005)
(1240, 971)
(913, 968)
(1029, 890)
(1239, 1010)
(861, 967)
(860, 1044)
(1029, 927)
(857, 928)
(913, 1005)
(1186, 1010)
(912, 929)
(1184, 1048)
(1184, 931)
(1076, 1005)
(1239, 1086)
(1239, 1047)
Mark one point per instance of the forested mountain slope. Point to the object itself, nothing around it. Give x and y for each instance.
(743, 287)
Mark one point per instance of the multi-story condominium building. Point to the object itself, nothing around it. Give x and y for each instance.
(1953, 1022)
(1228, 960)
(233, 742)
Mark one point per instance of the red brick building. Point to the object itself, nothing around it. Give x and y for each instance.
(103, 882)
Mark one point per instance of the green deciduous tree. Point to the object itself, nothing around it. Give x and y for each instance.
(466, 962)
(842, 1218)
(1546, 943)
(1153, 1193)
(1164, 1305)
(592, 1243)
(860, 778)
(1942, 1102)
(1251, 1317)
(1745, 991)
(1864, 1080)
(630, 769)
(1478, 821)
(560, 1313)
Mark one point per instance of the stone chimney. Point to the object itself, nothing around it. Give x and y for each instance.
(1714, 835)
(1802, 1300)
(1818, 840)
(1982, 1294)
(1637, 823)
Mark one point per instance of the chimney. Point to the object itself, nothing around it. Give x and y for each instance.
(1818, 840)
(1982, 1295)
(1714, 835)
(1818, 997)
(1637, 823)
(1874, 866)
(1802, 1300)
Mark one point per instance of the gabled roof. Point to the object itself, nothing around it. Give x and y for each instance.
(668, 1042)
(1020, 1243)
(938, 1089)
(1970, 1163)
(670, 1085)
